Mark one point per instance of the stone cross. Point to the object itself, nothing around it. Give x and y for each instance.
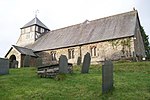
(63, 64)
(107, 76)
(36, 12)
(86, 63)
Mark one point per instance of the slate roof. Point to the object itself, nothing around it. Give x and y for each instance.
(35, 21)
(108, 28)
(25, 51)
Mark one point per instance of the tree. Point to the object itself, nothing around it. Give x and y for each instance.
(146, 42)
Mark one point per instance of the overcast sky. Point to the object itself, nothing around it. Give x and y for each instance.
(61, 13)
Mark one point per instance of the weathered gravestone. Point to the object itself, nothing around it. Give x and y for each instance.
(38, 62)
(13, 64)
(86, 63)
(26, 61)
(107, 76)
(63, 64)
(4, 66)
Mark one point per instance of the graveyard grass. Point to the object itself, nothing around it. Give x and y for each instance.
(131, 82)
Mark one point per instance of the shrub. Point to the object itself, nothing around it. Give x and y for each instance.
(60, 77)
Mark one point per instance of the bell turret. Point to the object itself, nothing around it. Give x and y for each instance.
(31, 31)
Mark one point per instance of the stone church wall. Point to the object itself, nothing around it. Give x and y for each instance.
(32, 61)
(112, 49)
(25, 39)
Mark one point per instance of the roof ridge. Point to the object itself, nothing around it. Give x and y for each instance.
(21, 47)
(94, 20)
(115, 15)
(106, 28)
(25, 51)
(65, 27)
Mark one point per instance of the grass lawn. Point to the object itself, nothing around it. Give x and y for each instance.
(131, 82)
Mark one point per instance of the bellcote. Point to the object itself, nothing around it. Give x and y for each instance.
(31, 31)
(34, 25)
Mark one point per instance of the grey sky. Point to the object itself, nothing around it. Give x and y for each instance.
(61, 13)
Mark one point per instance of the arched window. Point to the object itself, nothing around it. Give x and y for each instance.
(93, 51)
(53, 55)
(71, 53)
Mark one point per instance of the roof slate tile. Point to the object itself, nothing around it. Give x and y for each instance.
(112, 27)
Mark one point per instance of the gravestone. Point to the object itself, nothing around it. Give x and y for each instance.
(79, 61)
(38, 62)
(63, 64)
(13, 64)
(4, 66)
(26, 61)
(107, 76)
(86, 63)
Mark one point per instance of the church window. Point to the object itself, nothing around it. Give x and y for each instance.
(36, 28)
(53, 55)
(70, 53)
(93, 51)
(37, 35)
(39, 29)
(42, 30)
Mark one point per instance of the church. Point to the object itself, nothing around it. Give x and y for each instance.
(114, 37)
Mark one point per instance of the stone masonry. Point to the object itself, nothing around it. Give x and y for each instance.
(113, 49)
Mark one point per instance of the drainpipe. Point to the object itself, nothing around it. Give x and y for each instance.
(80, 52)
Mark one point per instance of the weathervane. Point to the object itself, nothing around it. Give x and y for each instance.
(36, 12)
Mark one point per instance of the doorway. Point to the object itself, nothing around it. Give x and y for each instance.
(13, 62)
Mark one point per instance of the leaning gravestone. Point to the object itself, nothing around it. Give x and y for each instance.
(86, 63)
(63, 64)
(4, 66)
(38, 62)
(26, 61)
(107, 76)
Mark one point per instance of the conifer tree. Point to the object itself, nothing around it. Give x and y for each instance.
(146, 42)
